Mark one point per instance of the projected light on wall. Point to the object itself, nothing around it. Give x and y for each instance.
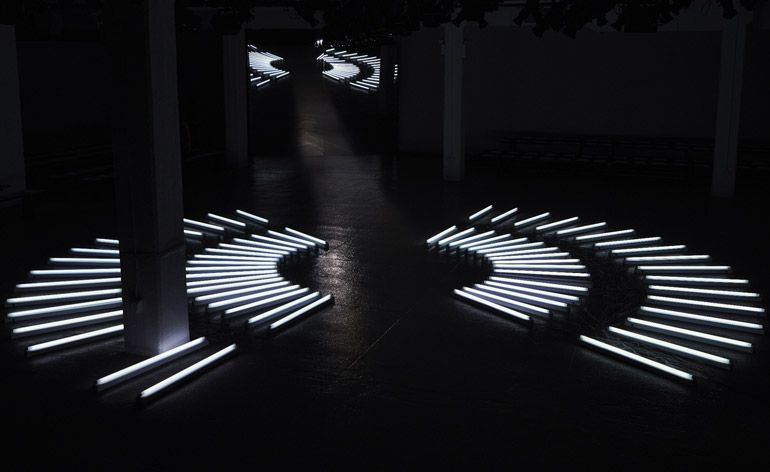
(695, 315)
(359, 71)
(264, 67)
(233, 274)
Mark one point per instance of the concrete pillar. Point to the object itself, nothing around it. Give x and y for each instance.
(388, 53)
(12, 175)
(235, 75)
(453, 143)
(729, 106)
(148, 173)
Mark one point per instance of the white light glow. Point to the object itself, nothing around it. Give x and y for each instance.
(696, 280)
(526, 307)
(538, 256)
(259, 244)
(544, 273)
(646, 249)
(303, 242)
(64, 309)
(469, 239)
(101, 252)
(230, 267)
(107, 242)
(227, 280)
(480, 213)
(673, 347)
(690, 334)
(64, 296)
(483, 242)
(252, 217)
(501, 256)
(41, 328)
(556, 224)
(71, 340)
(440, 235)
(313, 239)
(305, 309)
(264, 303)
(537, 283)
(187, 372)
(204, 226)
(668, 259)
(73, 272)
(703, 292)
(498, 308)
(195, 234)
(282, 309)
(728, 307)
(497, 244)
(701, 319)
(456, 236)
(511, 247)
(580, 229)
(232, 285)
(238, 273)
(533, 219)
(636, 358)
(535, 291)
(611, 234)
(227, 221)
(512, 293)
(210, 257)
(684, 268)
(547, 265)
(85, 260)
(234, 252)
(505, 215)
(260, 288)
(248, 298)
(252, 249)
(68, 284)
(281, 244)
(627, 242)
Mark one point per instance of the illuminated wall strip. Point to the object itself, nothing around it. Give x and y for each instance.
(300, 234)
(702, 292)
(74, 340)
(648, 249)
(531, 220)
(325, 300)
(217, 287)
(456, 236)
(91, 251)
(59, 310)
(536, 283)
(636, 358)
(517, 261)
(251, 297)
(504, 216)
(689, 334)
(194, 234)
(501, 256)
(63, 296)
(510, 292)
(227, 221)
(252, 217)
(497, 244)
(84, 261)
(684, 268)
(554, 267)
(537, 256)
(282, 309)
(510, 302)
(480, 213)
(230, 267)
(678, 349)
(441, 234)
(234, 273)
(148, 364)
(187, 372)
(469, 239)
(70, 323)
(205, 284)
(265, 303)
(107, 242)
(543, 293)
(710, 306)
(203, 226)
(704, 281)
(216, 257)
(701, 319)
(265, 288)
(472, 245)
(68, 284)
(237, 252)
(544, 273)
(580, 229)
(74, 272)
(608, 235)
(511, 247)
(627, 242)
(494, 306)
(668, 259)
(556, 224)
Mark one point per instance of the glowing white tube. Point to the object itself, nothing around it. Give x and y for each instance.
(185, 373)
(58, 310)
(203, 226)
(51, 326)
(510, 302)
(300, 234)
(252, 249)
(484, 242)
(73, 272)
(247, 298)
(636, 358)
(533, 219)
(263, 303)
(282, 309)
(580, 229)
(279, 244)
(107, 242)
(68, 284)
(219, 287)
(287, 237)
(684, 268)
(510, 292)
(497, 244)
(72, 340)
(627, 242)
(668, 259)
(647, 249)
(216, 257)
(703, 305)
(598, 236)
(263, 286)
(235, 252)
(511, 247)
(252, 218)
(101, 252)
(673, 347)
(539, 262)
(556, 256)
(706, 281)
(227, 221)
(690, 334)
(505, 255)
(534, 291)
(469, 239)
(498, 308)
(200, 265)
(480, 213)
(558, 267)
(304, 310)
(701, 319)
(556, 224)
(440, 235)
(702, 292)
(205, 284)
(264, 245)
(84, 261)
(148, 364)
(536, 283)
(459, 235)
(544, 273)
(64, 296)
(194, 234)
(505, 215)
(236, 273)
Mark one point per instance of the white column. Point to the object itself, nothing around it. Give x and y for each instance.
(729, 106)
(453, 143)
(12, 175)
(148, 173)
(235, 77)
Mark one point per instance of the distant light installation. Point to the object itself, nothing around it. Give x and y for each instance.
(537, 278)
(265, 67)
(232, 274)
(359, 71)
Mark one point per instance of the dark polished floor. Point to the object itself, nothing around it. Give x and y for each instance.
(397, 370)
